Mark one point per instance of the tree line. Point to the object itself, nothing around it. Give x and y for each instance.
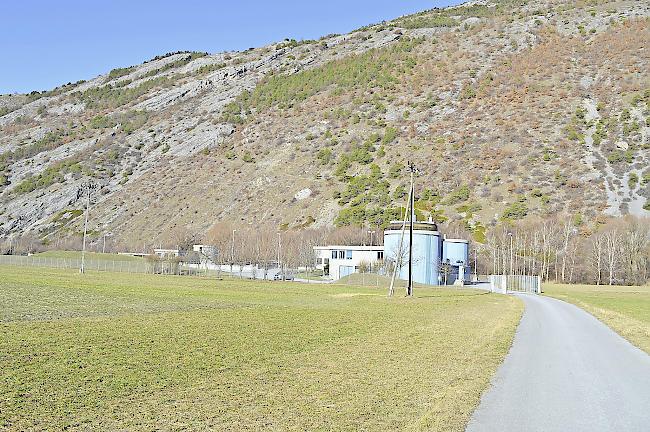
(264, 246)
(609, 251)
(613, 251)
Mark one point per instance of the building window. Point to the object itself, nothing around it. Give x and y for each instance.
(348, 254)
(380, 255)
(341, 254)
(334, 254)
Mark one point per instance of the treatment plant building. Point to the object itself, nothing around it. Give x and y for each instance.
(436, 260)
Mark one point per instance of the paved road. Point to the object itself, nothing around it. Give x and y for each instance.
(566, 371)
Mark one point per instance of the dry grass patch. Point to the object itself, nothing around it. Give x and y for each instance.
(113, 351)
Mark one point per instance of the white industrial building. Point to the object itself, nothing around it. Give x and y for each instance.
(205, 250)
(166, 253)
(340, 261)
(436, 260)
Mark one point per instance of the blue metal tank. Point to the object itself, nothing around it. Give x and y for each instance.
(456, 251)
(427, 248)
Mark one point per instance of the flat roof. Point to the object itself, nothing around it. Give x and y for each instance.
(415, 230)
(359, 248)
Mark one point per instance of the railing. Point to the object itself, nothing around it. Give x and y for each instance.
(517, 283)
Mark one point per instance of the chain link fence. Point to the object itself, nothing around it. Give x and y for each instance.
(118, 266)
(374, 279)
(518, 283)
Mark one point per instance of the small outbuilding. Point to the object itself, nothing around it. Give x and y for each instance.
(340, 261)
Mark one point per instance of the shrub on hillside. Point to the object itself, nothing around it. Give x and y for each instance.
(371, 69)
(120, 72)
(516, 210)
(617, 156)
(101, 122)
(50, 176)
(458, 195)
(428, 22)
(114, 96)
(633, 180)
(389, 135)
(324, 156)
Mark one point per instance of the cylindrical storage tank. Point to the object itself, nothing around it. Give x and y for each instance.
(426, 251)
(456, 251)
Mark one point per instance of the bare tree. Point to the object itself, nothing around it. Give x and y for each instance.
(568, 231)
(596, 256)
(220, 236)
(612, 245)
(352, 236)
(267, 247)
(635, 249)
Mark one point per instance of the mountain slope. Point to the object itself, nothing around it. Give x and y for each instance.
(509, 110)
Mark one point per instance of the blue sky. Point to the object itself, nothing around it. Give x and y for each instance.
(47, 43)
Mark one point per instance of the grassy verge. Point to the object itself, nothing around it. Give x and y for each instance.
(119, 351)
(625, 309)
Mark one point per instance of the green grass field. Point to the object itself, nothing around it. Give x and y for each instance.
(89, 256)
(113, 351)
(626, 309)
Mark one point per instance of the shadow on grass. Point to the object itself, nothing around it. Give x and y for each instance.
(453, 295)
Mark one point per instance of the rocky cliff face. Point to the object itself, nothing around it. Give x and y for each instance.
(509, 110)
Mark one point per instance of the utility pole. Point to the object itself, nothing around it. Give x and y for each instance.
(398, 258)
(413, 170)
(88, 187)
(232, 251)
(511, 254)
(104, 246)
(279, 249)
(371, 234)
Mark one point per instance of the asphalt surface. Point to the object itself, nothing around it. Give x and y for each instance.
(566, 371)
